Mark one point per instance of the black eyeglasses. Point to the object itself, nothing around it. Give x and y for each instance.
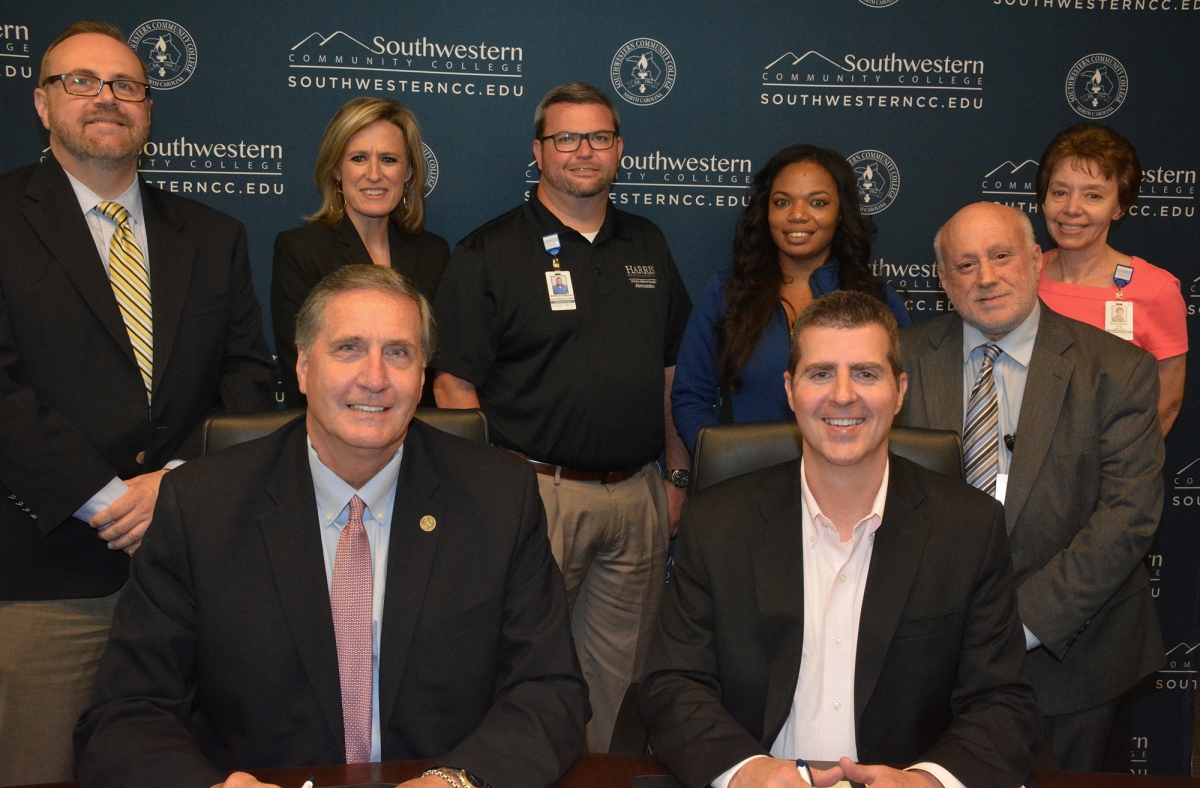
(569, 141)
(88, 85)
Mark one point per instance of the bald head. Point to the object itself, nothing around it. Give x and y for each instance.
(989, 263)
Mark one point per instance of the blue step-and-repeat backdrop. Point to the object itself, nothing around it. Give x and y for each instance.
(936, 104)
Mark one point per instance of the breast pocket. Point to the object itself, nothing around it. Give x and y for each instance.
(207, 305)
(464, 623)
(913, 628)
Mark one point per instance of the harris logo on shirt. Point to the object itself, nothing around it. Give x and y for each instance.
(642, 277)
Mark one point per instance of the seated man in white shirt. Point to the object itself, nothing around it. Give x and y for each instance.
(849, 606)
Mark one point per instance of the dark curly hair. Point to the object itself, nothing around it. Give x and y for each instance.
(752, 292)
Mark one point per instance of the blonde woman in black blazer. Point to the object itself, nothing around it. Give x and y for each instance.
(371, 174)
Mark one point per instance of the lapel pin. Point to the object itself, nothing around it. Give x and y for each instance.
(428, 523)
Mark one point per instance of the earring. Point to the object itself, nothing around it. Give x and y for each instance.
(341, 208)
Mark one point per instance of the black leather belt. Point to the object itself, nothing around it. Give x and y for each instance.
(604, 477)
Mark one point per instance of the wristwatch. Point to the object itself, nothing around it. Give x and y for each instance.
(678, 477)
(457, 778)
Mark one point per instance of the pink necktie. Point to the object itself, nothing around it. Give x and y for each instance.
(351, 599)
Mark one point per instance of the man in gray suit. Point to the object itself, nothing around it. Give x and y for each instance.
(1059, 423)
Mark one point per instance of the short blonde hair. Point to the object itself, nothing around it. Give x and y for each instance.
(352, 118)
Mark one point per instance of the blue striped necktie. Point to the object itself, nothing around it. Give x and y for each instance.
(981, 435)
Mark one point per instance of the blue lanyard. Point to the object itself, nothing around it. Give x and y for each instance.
(1122, 277)
(553, 247)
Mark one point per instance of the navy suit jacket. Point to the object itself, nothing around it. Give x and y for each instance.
(223, 655)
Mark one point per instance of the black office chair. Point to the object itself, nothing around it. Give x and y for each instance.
(728, 450)
(225, 430)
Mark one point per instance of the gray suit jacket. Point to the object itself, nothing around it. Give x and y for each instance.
(1085, 493)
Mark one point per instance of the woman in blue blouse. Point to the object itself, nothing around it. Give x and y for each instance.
(800, 237)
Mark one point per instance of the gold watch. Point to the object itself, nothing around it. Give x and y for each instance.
(457, 778)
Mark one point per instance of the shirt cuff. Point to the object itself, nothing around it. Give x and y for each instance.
(1031, 640)
(722, 780)
(947, 779)
(107, 496)
(173, 464)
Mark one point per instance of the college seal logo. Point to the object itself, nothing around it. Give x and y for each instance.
(1097, 86)
(878, 3)
(643, 71)
(167, 50)
(431, 169)
(878, 180)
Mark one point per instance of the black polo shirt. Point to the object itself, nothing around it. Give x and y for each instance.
(577, 387)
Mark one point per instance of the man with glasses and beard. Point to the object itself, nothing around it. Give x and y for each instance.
(578, 383)
(126, 316)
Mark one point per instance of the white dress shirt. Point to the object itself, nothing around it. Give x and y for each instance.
(103, 230)
(820, 725)
(1010, 372)
(333, 513)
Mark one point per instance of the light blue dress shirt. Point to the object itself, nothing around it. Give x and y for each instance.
(1009, 373)
(333, 513)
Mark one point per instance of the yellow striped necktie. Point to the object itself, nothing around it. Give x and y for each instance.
(131, 285)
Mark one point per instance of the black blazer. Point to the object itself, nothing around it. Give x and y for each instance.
(940, 647)
(306, 255)
(72, 402)
(223, 656)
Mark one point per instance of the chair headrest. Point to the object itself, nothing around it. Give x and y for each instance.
(728, 450)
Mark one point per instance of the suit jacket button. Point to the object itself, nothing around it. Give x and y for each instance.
(140, 458)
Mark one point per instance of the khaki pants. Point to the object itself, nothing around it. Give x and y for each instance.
(610, 540)
(49, 653)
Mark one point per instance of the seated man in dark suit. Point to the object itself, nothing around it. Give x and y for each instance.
(354, 587)
(848, 605)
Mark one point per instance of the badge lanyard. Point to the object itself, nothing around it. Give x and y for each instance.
(558, 282)
(553, 247)
(1118, 314)
(1121, 278)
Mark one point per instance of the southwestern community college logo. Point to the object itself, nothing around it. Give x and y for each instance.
(643, 71)
(1097, 86)
(878, 180)
(431, 169)
(168, 51)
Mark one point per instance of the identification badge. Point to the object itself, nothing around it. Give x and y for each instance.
(1001, 486)
(562, 294)
(1118, 319)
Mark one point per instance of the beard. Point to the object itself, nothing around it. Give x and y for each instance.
(561, 182)
(116, 145)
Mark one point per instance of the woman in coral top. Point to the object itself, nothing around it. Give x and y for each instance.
(1087, 179)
